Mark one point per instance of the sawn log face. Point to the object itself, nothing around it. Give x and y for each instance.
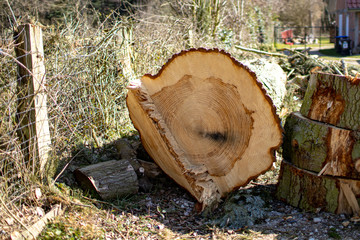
(316, 146)
(206, 121)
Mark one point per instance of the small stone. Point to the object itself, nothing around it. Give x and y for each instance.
(160, 226)
(345, 223)
(311, 238)
(275, 213)
(40, 212)
(38, 193)
(317, 220)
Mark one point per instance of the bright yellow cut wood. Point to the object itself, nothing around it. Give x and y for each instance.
(207, 122)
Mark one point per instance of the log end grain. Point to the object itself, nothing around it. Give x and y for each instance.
(206, 121)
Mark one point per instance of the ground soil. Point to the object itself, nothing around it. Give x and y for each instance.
(167, 211)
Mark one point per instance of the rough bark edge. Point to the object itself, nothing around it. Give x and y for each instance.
(343, 204)
(306, 107)
(352, 80)
(272, 151)
(293, 155)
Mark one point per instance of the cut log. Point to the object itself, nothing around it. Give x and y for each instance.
(320, 147)
(124, 149)
(207, 122)
(333, 99)
(149, 169)
(272, 76)
(109, 179)
(304, 189)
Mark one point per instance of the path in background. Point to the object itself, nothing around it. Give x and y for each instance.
(353, 60)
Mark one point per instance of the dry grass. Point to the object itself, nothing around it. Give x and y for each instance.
(89, 64)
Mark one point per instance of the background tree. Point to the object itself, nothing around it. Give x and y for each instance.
(302, 13)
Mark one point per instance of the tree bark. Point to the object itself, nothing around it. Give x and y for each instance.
(206, 121)
(320, 147)
(333, 99)
(304, 189)
(109, 179)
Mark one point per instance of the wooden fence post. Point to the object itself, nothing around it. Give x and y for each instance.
(32, 115)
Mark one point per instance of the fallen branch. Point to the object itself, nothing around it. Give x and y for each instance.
(261, 52)
(34, 231)
(15, 217)
(306, 56)
(336, 69)
(343, 64)
(65, 167)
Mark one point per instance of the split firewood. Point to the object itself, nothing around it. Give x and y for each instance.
(207, 122)
(316, 146)
(333, 99)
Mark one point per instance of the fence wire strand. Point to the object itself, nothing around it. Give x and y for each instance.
(87, 71)
(85, 91)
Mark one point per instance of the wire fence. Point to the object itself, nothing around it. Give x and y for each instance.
(14, 171)
(87, 70)
(84, 91)
(84, 86)
(302, 37)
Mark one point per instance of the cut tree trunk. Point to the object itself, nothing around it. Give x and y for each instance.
(207, 122)
(304, 189)
(320, 147)
(333, 99)
(109, 179)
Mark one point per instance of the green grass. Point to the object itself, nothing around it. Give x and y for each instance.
(296, 46)
(325, 42)
(331, 52)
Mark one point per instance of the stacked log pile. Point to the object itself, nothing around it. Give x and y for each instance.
(321, 150)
